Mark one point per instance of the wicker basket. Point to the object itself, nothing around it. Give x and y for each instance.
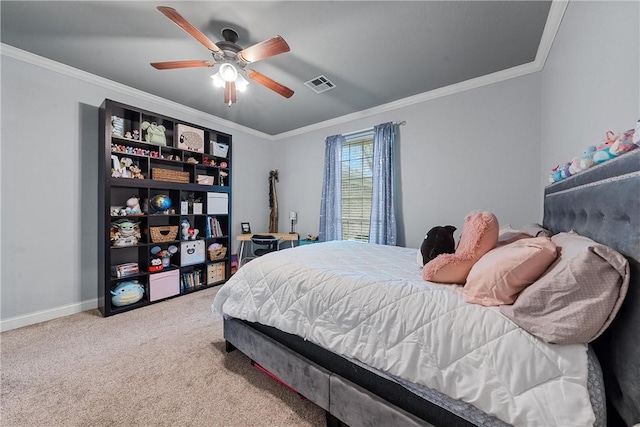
(217, 254)
(169, 175)
(166, 233)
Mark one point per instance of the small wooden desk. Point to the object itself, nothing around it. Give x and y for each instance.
(244, 238)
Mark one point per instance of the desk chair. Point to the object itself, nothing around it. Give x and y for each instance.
(262, 244)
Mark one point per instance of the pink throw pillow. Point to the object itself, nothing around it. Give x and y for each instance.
(507, 235)
(579, 295)
(500, 275)
(479, 235)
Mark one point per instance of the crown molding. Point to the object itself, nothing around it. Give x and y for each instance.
(556, 13)
(57, 67)
(475, 83)
(554, 19)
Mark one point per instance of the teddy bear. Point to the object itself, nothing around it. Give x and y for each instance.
(439, 240)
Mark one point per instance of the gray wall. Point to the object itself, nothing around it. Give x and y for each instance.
(477, 149)
(591, 80)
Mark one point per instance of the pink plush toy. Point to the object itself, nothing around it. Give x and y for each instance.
(603, 152)
(479, 236)
(623, 144)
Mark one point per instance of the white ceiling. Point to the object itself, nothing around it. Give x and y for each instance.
(376, 52)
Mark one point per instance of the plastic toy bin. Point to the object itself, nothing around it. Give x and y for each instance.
(164, 284)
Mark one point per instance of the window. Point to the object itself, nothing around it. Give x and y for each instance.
(357, 185)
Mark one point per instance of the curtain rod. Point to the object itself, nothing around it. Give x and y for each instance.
(402, 123)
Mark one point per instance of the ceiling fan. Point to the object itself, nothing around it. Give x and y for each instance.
(232, 58)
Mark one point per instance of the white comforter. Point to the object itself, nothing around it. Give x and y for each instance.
(369, 303)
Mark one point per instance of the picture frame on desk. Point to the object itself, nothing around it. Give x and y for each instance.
(246, 227)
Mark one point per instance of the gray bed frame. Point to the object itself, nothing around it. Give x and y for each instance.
(602, 203)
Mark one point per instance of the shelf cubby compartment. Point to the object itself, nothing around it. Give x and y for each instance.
(195, 202)
(129, 293)
(216, 272)
(151, 124)
(163, 255)
(171, 153)
(129, 166)
(192, 158)
(164, 284)
(129, 146)
(124, 121)
(155, 202)
(218, 226)
(129, 254)
(192, 278)
(123, 201)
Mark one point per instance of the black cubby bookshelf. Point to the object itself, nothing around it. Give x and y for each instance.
(133, 169)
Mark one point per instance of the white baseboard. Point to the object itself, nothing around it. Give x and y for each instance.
(44, 315)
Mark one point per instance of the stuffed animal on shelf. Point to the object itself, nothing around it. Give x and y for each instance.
(439, 240)
(155, 265)
(126, 293)
(188, 233)
(125, 232)
(121, 167)
(133, 206)
(136, 172)
(164, 255)
(223, 175)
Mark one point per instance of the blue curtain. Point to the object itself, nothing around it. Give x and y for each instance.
(331, 203)
(383, 218)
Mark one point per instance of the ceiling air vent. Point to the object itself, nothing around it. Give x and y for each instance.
(320, 84)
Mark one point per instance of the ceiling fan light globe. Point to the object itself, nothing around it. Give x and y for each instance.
(228, 72)
(241, 83)
(217, 80)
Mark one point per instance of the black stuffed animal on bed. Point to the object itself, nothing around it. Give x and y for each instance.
(439, 240)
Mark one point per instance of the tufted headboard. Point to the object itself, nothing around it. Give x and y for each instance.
(603, 203)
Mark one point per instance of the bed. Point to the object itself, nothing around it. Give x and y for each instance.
(352, 335)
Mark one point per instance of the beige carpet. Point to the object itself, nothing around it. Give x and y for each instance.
(162, 365)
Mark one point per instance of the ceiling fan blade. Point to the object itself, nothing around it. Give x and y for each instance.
(269, 84)
(172, 14)
(230, 94)
(265, 49)
(170, 65)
